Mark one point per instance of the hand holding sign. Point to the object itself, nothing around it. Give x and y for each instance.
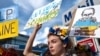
(38, 26)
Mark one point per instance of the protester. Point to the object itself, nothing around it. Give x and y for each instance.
(84, 50)
(10, 52)
(57, 45)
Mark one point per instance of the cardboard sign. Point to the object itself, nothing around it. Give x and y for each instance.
(90, 42)
(44, 14)
(9, 29)
(86, 22)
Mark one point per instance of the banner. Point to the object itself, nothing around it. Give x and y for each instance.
(44, 14)
(9, 29)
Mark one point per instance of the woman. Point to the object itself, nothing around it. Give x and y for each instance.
(56, 45)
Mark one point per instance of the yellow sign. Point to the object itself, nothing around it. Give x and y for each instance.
(9, 29)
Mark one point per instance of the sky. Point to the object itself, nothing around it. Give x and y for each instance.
(25, 10)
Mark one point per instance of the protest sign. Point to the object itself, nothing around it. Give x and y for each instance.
(86, 22)
(9, 29)
(44, 14)
(8, 13)
(90, 42)
(67, 15)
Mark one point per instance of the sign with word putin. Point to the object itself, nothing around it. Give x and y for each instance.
(9, 29)
(44, 14)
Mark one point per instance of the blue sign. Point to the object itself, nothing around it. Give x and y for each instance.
(8, 13)
(80, 38)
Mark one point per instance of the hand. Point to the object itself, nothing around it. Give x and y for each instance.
(38, 26)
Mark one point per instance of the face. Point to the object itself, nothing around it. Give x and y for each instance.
(88, 13)
(55, 45)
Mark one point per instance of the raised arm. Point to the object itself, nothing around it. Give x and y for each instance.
(28, 47)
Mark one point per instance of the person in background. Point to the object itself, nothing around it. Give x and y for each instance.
(10, 52)
(84, 50)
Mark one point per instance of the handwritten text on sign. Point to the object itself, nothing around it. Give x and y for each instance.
(44, 14)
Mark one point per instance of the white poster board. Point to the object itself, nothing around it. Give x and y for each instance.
(67, 15)
(86, 22)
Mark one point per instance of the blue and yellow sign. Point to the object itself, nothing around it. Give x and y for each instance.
(9, 29)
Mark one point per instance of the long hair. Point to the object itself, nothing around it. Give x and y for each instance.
(69, 44)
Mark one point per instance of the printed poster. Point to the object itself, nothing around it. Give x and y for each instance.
(86, 22)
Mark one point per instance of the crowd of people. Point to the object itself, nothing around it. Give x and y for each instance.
(8, 51)
(58, 45)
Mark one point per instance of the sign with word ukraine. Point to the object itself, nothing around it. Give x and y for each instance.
(9, 29)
